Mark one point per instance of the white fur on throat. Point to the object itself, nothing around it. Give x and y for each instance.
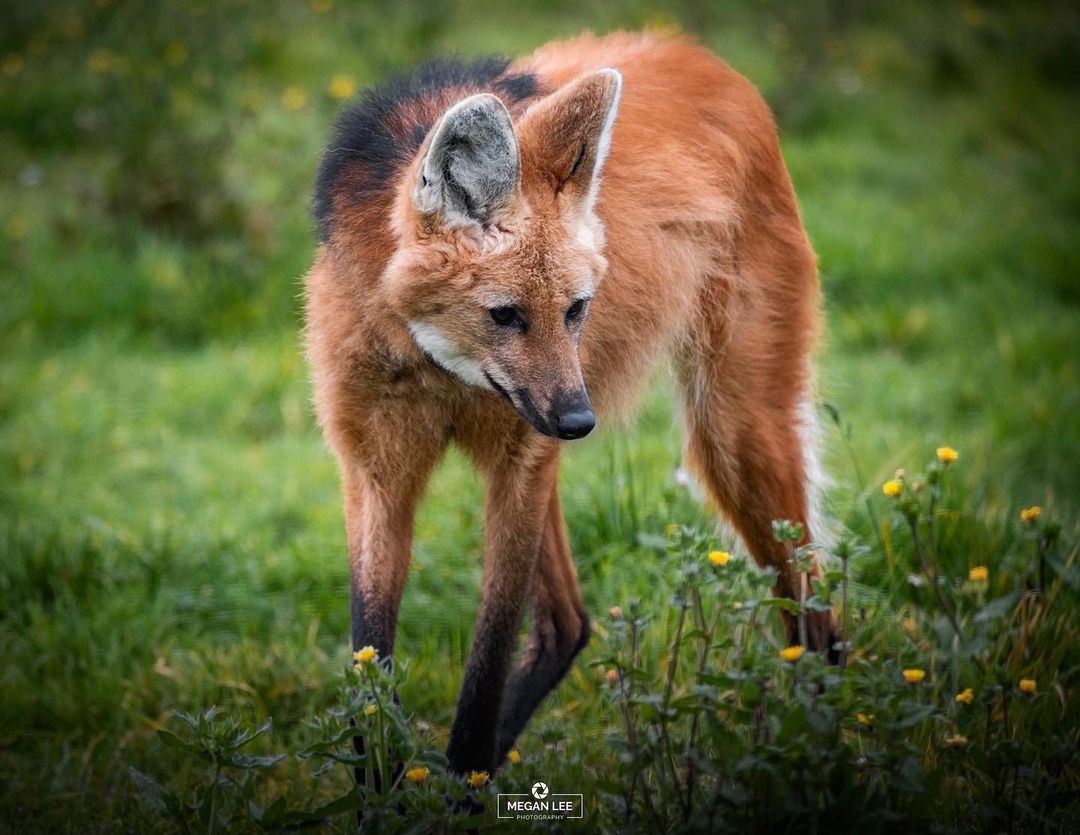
(443, 351)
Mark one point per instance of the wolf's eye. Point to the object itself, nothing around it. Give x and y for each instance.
(575, 310)
(505, 316)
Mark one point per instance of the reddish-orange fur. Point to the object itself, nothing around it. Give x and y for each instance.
(701, 254)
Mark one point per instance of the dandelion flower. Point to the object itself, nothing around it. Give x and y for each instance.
(478, 779)
(719, 558)
(1030, 515)
(671, 530)
(294, 98)
(792, 654)
(979, 574)
(892, 488)
(615, 612)
(864, 720)
(514, 756)
(371, 710)
(914, 676)
(965, 696)
(364, 656)
(417, 775)
(947, 454)
(956, 741)
(342, 87)
(1028, 685)
(612, 677)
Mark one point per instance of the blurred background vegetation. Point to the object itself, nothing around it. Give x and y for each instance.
(170, 526)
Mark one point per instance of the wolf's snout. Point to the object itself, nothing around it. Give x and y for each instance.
(575, 424)
(573, 416)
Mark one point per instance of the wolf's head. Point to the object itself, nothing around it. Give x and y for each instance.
(499, 247)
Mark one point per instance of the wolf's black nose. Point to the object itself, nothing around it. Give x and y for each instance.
(576, 424)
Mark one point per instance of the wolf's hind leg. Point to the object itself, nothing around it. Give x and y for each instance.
(751, 462)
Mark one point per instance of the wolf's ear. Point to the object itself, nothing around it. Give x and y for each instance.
(471, 166)
(569, 133)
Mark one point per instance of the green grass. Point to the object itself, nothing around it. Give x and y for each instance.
(170, 527)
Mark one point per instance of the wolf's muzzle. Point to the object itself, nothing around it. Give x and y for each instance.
(572, 415)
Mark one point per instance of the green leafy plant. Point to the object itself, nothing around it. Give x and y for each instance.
(714, 725)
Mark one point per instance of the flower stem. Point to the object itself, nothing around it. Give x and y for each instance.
(931, 575)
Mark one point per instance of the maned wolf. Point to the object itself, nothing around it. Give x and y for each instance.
(505, 251)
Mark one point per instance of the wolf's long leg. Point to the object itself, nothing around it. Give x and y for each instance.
(755, 472)
(746, 378)
(518, 498)
(560, 630)
(384, 475)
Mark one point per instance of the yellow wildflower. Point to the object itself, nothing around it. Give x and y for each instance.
(176, 53)
(864, 720)
(478, 779)
(965, 696)
(371, 710)
(294, 98)
(363, 656)
(13, 64)
(615, 612)
(947, 454)
(342, 87)
(663, 22)
(418, 774)
(914, 676)
(17, 228)
(514, 756)
(671, 530)
(979, 574)
(1030, 514)
(956, 741)
(322, 6)
(971, 12)
(792, 654)
(100, 61)
(719, 558)
(74, 27)
(892, 488)
(1028, 685)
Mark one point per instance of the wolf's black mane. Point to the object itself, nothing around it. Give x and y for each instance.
(368, 135)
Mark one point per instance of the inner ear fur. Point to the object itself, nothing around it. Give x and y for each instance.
(470, 167)
(568, 134)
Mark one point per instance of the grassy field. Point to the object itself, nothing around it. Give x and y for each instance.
(171, 532)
